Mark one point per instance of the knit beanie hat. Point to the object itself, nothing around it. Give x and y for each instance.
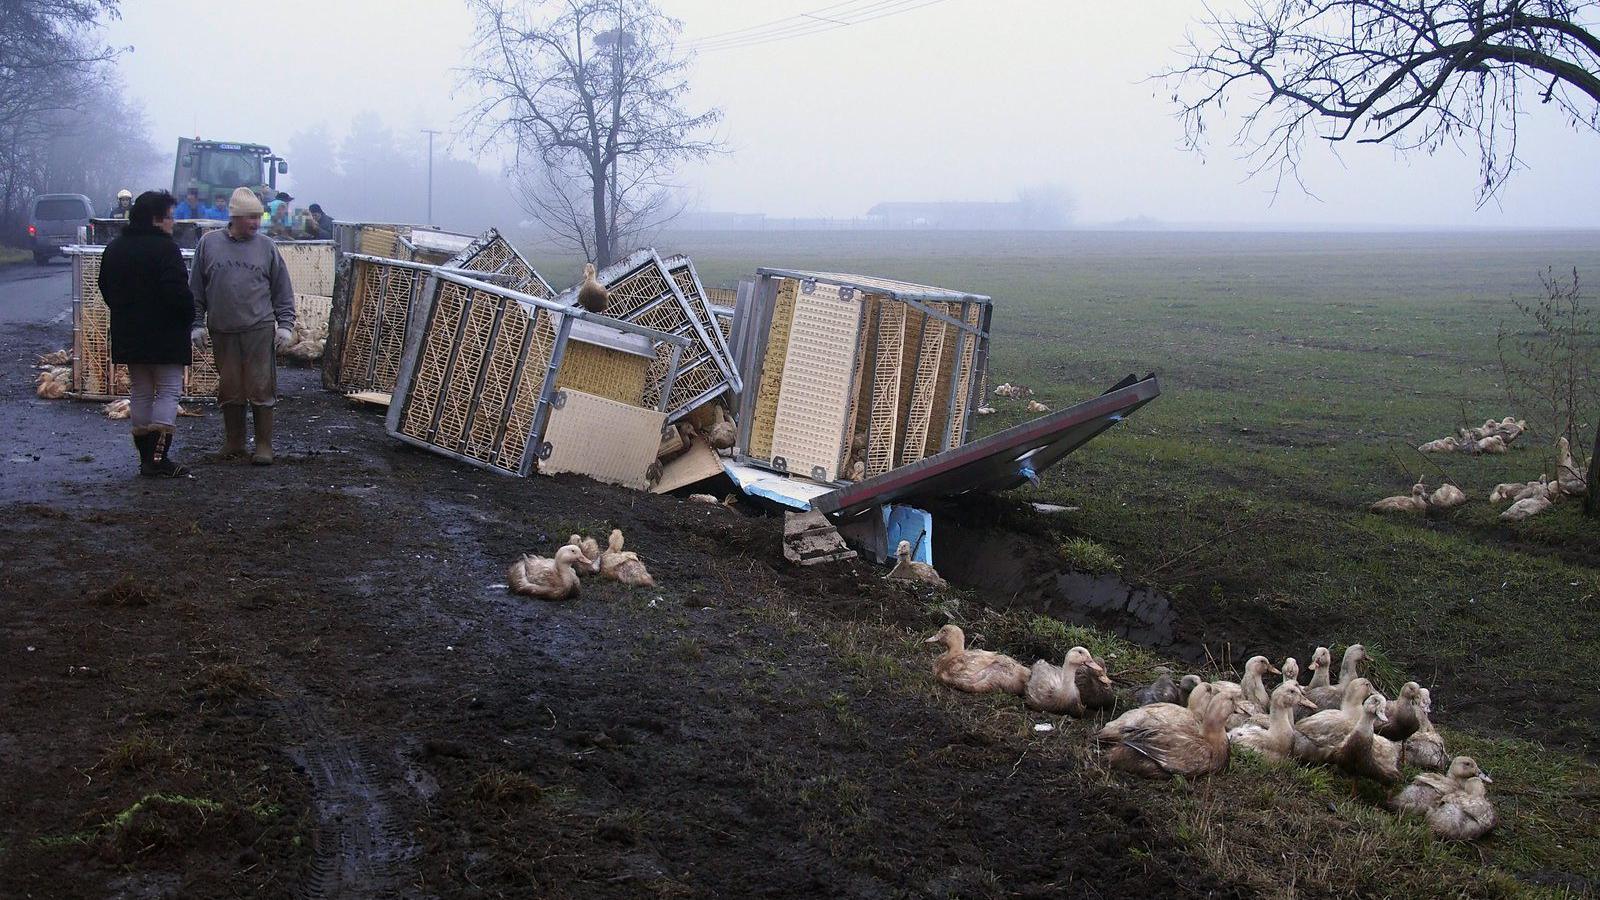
(243, 203)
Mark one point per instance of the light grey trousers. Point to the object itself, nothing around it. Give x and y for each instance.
(153, 396)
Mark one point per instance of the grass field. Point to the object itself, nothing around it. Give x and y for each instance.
(1297, 372)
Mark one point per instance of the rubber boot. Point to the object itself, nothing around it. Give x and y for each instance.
(145, 441)
(161, 464)
(263, 452)
(232, 431)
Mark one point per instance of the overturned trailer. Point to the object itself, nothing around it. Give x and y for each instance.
(514, 383)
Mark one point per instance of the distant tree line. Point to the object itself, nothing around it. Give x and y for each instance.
(64, 123)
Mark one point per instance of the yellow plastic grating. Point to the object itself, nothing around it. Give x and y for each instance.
(604, 372)
(498, 369)
(858, 390)
(471, 351)
(496, 255)
(969, 345)
(884, 421)
(428, 382)
(376, 241)
(376, 330)
(930, 356)
(519, 421)
(765, 414)
(310, 266)
(815, 396)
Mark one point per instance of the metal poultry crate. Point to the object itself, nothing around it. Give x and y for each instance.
(483, 364)
(367, 321)
(492, 254)
(94, 376)
(846, 369)
(645, 291)
(396, 240)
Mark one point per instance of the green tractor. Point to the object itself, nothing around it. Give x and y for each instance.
(217, 167)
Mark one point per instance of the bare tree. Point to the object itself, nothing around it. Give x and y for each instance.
(591, 95)
(50, 58)
(1413, 75)
(1551, 364)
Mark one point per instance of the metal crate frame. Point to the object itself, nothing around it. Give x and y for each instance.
(341, 328)
(965, 319)
(492, 254)
(688, 280)
(693, 322)
(542, 313)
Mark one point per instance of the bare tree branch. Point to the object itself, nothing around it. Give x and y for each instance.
(1415, 76)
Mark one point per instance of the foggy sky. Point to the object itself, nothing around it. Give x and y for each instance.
(960, 100)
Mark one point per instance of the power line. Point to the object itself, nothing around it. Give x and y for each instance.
(710, 38)
(806, 24)
(798, 26)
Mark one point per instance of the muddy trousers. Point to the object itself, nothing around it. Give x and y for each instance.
(247, 367)
(153, 396)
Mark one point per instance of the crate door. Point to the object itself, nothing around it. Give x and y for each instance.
(815, 397)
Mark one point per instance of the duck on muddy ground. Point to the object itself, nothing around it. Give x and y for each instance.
(547, 579)
(1054, 688)
(975, 671)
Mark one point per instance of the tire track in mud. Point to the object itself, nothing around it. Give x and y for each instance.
(361, 847)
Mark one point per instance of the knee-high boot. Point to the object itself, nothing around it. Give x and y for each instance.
(232, 431)
(263, 452)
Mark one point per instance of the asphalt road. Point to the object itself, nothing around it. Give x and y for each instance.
(35, 294)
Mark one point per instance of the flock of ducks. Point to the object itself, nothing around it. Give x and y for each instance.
(307, 341)
(1490, 437)
(1014, 392)
(1527, 498)
(1189, 727)
(557, 577)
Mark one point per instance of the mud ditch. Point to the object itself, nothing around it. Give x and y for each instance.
(1020, 571)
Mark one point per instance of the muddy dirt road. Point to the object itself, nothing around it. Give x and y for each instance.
(309, 680)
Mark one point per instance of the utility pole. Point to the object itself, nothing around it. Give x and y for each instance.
(430, 133)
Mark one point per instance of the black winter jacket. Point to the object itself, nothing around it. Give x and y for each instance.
(146, 285)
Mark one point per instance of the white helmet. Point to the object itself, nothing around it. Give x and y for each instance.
(124, 194)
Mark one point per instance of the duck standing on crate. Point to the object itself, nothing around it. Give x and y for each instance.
(243, 293)
(144, 284)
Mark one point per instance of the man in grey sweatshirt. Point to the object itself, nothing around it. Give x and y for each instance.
(243, 297)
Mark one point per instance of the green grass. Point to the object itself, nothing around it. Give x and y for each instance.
(1298, 371)
(12, 255)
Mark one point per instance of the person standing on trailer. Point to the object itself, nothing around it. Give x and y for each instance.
(243, 294)
(147, 290)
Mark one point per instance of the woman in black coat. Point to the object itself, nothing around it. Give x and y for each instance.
(146, 285)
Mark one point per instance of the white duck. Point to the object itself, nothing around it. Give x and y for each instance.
(1273, 739)
(547, 579)
(1054, 688)
(908, 569)
(1456, 805)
